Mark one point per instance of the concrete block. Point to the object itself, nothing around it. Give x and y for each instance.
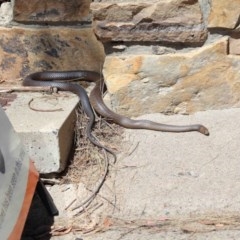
(48, 132)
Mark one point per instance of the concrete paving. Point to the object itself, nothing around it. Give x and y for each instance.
(146, 235)
(167, 177)
(183, 173)
(48, 132)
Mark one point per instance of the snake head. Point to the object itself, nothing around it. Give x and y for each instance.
(204, 130)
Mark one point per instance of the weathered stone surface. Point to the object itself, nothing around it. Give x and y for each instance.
(234, 46)
(204, 78)
(176, 21)
(50, 10)
(224, 14)
(25, 50)
(5, 13)
(205, 8)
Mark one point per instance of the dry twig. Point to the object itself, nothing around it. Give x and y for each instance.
(9, 89)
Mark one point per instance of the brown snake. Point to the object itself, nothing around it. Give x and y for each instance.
(55, 79)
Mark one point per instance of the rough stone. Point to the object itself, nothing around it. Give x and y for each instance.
(162, 21)
(204, 78)
(6, 13)
(224, 14)
(205, 8)
(50, 10)
(26, 50)
(234, 46)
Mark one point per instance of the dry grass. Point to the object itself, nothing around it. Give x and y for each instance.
(88, 161)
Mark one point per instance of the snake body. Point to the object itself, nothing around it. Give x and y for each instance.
(60, 80)
(52, 79)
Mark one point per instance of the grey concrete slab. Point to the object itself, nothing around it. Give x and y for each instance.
(182, 173)
(48, 132)
(184, 176)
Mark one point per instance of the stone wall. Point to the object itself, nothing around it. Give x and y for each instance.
(171, 56)
(53, 35)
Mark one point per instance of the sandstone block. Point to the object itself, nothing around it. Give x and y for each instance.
(204, 78)
(50, 10)
(177, 21)
(234, 46)
(26, 50)
(224, 14)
